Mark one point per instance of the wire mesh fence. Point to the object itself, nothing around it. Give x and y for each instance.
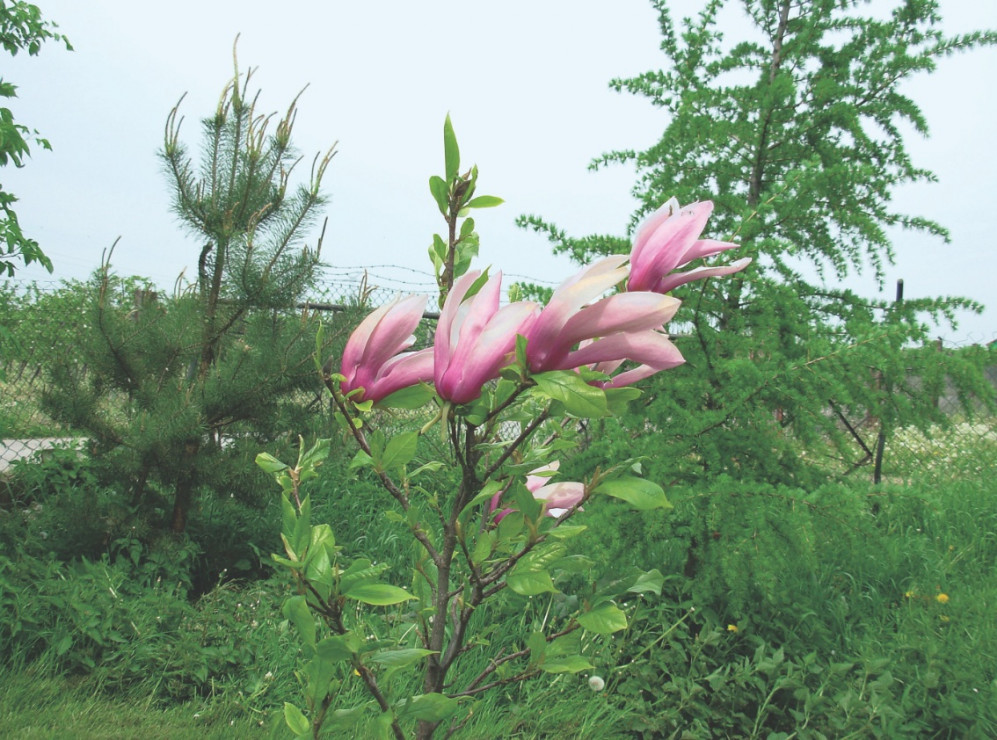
(44, 325)
(963, 446)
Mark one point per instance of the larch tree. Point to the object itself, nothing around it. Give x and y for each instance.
(796, 130)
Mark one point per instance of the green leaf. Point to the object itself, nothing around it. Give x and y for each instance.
(530, 582)
(483, 547)
(566, 531)
(344, 719)
(431, 467)
(511, 526)
(440, 191)
(377, 442)
(401, 658)
(565, 645)
(542, 557)
(360, 571)
(296, 720)
(336, 648)
(413, 397)
(520, 351)
(484, 201)
(567, 664)
(525, 502)
(318, 569)
(315, 456)
(297, 612)
(439, 249)
(536, 643)
(378, 594)
(361, 460)
(270, 464)
(604, 620)
(489, 490)
(619, 398)
(428, 707)
(579, 398)
(651, 581)
(400, 450)
(574, 563)
(302, 536)
(450, 150)
(640, 493)
(289, 520)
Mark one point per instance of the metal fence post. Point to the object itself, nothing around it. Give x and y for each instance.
(877, 471)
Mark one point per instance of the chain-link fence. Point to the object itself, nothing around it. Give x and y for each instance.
(39, 326)
(963, 446)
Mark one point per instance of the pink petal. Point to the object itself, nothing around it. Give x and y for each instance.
(624, 312)
(535, 478)
(650, 225)
(402, 371)
(382, 334)
(632, 376)
(561, 495)
(583, 287)
(393, 332)
(447, 326)
(488, 353)
(666, 247)
(357, 342)
(470, 324)
(670, 282)
(647, 347)
(707, 248)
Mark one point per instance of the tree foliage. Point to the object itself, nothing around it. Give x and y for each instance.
(169, 389)
(796, 130)
(22, 28)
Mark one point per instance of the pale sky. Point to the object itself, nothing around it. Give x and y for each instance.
(525, 82)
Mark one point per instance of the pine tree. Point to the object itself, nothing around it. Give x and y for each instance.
(796, 131)
(172, 386)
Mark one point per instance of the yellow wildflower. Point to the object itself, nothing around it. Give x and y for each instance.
(942, 598)
(732, 628)
(910, 594)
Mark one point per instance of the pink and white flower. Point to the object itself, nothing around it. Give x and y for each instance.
(475, 338)
(669, 239)
(558, 497)
(578, 328)
(374, 359)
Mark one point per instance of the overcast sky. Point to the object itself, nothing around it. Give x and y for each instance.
(525, 82)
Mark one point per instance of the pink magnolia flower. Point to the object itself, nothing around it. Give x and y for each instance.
(558, 497)
(569, 334)
(652, 349)
(475, 338)
(669, 239)
(374, 357)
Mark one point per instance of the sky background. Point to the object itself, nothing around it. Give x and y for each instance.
(525, 83)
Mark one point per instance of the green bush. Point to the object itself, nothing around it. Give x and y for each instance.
(128, 625)
(839, 611)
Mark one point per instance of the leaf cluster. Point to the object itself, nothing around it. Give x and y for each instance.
(22, 27)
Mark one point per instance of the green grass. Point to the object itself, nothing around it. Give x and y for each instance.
(40, 707)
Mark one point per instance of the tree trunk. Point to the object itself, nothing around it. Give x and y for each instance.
(184, 492)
